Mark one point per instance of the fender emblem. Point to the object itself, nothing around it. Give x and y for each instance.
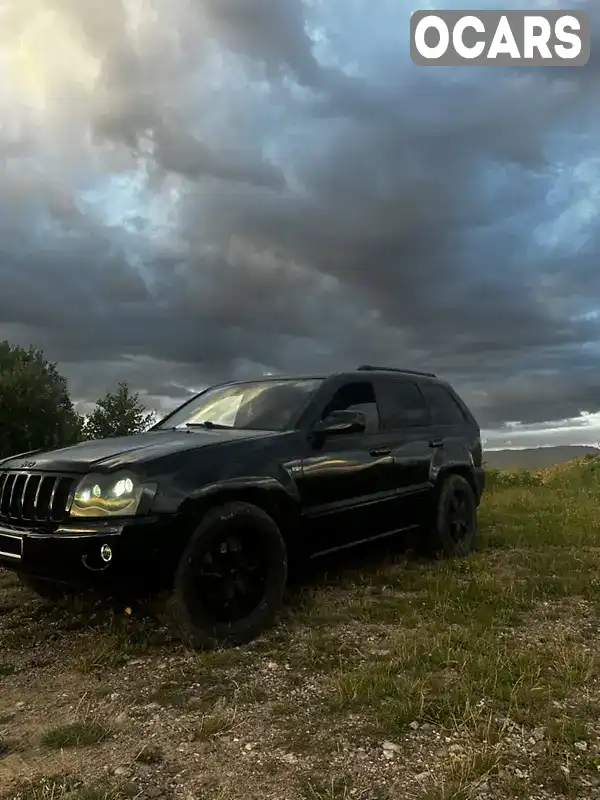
(27, 464)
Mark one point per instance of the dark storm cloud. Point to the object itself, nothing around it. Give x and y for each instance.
(243, 192)
(271, 31)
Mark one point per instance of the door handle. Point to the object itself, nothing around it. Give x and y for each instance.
(436, 443)
(380, 451)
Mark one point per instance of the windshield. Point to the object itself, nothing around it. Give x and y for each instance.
(262, 405)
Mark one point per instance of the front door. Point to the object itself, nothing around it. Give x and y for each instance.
(347, 481)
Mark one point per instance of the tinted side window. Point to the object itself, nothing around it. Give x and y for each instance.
(404, 406)
(444, 408)
(358, 396)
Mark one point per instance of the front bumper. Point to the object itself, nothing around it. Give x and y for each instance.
(143, 552)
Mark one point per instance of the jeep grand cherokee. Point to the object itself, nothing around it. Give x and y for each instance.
(215, 501)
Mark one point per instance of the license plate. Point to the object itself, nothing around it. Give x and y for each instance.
(11, 546)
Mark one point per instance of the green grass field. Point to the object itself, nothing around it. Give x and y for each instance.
(386, 679)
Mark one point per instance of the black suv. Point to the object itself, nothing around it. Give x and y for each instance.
(214, 501)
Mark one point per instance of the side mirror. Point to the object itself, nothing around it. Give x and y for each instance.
(339, 422)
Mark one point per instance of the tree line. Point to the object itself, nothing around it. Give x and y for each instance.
(36, 410)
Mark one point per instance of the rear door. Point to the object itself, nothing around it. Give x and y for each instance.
(406, 423)
(455, 431)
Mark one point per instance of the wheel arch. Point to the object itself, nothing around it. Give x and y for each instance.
(458, 469)
(273, 499)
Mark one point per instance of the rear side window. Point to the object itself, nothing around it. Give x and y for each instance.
(402, 405)
(444, 408)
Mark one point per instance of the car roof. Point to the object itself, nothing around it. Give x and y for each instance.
(363, 371)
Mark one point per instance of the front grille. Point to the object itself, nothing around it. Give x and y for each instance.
(34, 496)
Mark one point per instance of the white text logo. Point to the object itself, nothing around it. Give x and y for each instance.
(501, 38)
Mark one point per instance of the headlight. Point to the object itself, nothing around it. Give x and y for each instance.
(115, 495)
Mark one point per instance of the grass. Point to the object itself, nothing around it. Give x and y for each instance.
(77, 734)
(484, 673)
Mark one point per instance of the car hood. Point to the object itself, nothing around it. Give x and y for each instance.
(125, 451)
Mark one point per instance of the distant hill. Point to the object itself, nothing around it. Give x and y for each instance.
(535, 457)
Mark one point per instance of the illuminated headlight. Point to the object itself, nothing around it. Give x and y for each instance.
(116, 495)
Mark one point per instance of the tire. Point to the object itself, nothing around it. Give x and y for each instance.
(227, 535)
(442, 539)
(47, 590)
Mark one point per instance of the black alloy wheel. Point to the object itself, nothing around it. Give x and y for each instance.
(460, 516)
(230, 580)
(231, 576)
(452, 530)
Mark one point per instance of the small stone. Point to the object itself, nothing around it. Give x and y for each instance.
(250, 746)
(122, 718)
(581, 745)
(272, 665)
(153, 792)
(520, 774)
(389, 754)
(456, 749)
(20, 706)
(390, 747)
(290, 758)
(422, 776)
(539, 734)
(414, 725)
(123, 772)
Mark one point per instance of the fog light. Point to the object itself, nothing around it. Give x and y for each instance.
(106, 553)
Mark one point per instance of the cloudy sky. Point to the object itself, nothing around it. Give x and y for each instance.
(197, 189)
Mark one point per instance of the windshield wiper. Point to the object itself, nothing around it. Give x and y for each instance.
(208, 424)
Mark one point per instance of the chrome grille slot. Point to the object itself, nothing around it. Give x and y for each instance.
(6, 494)
(34, 497)
(30, 496)
(16, 495)
(60, 498)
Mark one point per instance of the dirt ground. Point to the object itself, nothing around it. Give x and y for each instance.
(387, 678)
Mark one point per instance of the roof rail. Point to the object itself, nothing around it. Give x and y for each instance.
(371, 368)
